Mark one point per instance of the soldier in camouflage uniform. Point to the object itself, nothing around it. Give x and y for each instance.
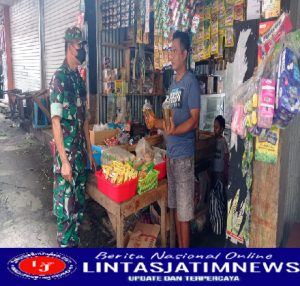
(71, 135)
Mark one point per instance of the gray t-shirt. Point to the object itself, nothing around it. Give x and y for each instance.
(219, 156)
(184, 96)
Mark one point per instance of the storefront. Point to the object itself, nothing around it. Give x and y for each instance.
(33, 36)
(25, 39)
(58, 16)
(37, 31)
(129, 64)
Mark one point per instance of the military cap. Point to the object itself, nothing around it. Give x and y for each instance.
(74, 34)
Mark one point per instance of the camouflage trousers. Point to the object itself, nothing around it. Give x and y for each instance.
(68, 207)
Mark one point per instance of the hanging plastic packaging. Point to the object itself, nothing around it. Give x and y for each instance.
(266, 103)
(149, 115)
(167, 112)
(238, 121)
(288, 89)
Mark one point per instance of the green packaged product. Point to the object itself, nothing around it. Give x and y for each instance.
(148, 183)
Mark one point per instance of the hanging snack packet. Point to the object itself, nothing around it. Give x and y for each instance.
(221, 14)
(214, 24)
(214, 34)
(149, 115)
(214, 6)
(221, 44)
(229, 15)
(207, 29)
(288, 89)
(266, 103)
(238, 121)
(215, 44)
(205, 53)
(167, 112)
(229, 37)
(239, 12)
(195, 23)
(230, 2)
(207, 13)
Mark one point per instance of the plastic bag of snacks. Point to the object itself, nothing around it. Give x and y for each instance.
(149, 182)
(167, 112)
(149, 115)
(115, 153)
(288, 89)
(266, 103)
(238, 121)
(118, 173)
(144, 151)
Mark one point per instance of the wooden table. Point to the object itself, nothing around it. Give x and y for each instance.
(118, 212)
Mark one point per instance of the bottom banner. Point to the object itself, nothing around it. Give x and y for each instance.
(150, 266)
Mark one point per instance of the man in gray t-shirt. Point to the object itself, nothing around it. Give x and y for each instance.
(184, 97)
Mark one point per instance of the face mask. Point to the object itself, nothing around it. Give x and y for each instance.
(81, 55)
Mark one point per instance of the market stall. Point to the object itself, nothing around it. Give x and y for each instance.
(119, 211)
(236, 49)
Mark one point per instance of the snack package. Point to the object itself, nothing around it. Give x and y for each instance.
(149, 182)
(207, 29)
(221, 14)
(229, 15)
(270, 9)
(229, 37)
(266, 148)
(195, 23)
(115, 153)
(288, 89)
(239, 12)
(266, 104)
(167, 112)
(281, 27)
(215, 44)
(144, 151)
(159, 155)
(118, 173)
(206, 52)
(149, 115)
(238, 121)
(207, 12)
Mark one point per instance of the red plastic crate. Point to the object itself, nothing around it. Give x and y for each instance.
(118, 193)
(162, 168)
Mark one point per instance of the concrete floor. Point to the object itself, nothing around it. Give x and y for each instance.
(26, 180)
(25, 190)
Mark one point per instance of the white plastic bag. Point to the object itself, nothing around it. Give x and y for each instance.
(144, 151)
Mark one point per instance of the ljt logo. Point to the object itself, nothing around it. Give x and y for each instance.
(42, 265)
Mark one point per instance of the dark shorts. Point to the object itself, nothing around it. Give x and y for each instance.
(181, 187)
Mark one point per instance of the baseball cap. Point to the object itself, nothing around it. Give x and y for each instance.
(74, 34)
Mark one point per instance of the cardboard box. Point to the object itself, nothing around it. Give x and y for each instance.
(98, 137)
(144, 236)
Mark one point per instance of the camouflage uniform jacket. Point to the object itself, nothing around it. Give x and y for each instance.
(68, 101)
